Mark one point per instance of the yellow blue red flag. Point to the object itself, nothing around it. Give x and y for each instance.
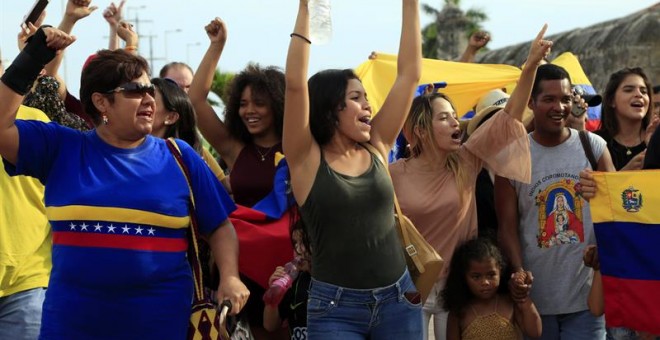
(626, 218)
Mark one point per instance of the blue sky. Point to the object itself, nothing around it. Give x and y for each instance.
(259, 29)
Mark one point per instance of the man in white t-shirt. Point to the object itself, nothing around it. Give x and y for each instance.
(544, 226)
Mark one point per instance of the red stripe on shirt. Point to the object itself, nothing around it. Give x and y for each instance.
(131, 242)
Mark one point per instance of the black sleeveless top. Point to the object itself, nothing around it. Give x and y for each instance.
(351, 227)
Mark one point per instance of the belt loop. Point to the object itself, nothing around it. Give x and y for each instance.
(340, 290)
(399, 295)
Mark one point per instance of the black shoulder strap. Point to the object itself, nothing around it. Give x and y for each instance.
(586, 145)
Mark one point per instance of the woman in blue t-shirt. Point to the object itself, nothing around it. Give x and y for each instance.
(117, 203)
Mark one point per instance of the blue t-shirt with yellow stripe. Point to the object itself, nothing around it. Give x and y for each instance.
(119, 220)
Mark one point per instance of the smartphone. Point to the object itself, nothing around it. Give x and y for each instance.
(32, 16)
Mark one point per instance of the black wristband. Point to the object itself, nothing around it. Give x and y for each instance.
(25, 69)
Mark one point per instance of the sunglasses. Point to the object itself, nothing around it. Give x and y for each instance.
(135, 90)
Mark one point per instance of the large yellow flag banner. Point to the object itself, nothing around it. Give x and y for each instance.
(466, 82)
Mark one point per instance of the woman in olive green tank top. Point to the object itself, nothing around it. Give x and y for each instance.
(360, 286)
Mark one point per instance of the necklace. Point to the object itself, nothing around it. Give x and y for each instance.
(263, 154)
(628, 151)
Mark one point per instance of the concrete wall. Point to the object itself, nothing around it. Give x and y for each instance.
(602, 49)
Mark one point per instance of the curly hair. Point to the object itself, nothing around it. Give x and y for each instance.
(327, 96)
(456, 294)
(608, 121)
(107, 70)
(266, 83)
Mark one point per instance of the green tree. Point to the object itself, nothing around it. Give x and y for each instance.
(220, 82)
(451, 15)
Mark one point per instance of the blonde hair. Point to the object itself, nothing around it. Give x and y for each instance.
(420, 119)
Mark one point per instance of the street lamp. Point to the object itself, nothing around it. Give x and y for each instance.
(188, 50)
(136, 20)
(178, 30)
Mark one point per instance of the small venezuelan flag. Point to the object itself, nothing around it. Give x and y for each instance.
(626, 216)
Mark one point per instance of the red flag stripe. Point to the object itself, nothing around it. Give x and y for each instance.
(632, 303)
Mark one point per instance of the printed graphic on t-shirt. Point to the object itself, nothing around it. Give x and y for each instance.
(560, 214)
(299, 333)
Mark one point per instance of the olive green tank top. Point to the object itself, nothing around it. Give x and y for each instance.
(351, 228)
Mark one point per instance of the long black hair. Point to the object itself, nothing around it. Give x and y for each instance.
(456, 294)
(327, 96)
(176, 100)
(608, 121)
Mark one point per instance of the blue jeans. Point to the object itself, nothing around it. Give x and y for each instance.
(20, 314)
(335, 312)
(573, 326)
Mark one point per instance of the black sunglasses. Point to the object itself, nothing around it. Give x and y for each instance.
(135, 89)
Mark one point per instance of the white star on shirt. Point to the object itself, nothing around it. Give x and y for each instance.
(111, 229)
(125, 229)
(83, 227)
(151, 231)
(98, 227)
(138, 230)
(72, 226)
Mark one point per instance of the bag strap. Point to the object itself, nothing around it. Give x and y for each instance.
(586, 145)
(409, 247)
(193, 235)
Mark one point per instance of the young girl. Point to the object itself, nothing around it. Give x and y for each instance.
(293, 307)
(479, 308)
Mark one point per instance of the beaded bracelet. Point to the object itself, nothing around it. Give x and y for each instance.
(301, 37)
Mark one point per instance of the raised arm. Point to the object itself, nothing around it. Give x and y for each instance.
(478, 40)
(213, 129)
(113, 15)
(18, 80)
(297, 140)
(540, 48)
(126, 33)
(388, 122)
(74, 11)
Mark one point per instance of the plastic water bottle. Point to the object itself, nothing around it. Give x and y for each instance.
(278, 288)
(320, 21)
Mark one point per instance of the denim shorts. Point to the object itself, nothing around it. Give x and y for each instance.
(390, 312)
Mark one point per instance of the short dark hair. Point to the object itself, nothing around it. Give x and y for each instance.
(608, 121)
(267, 82)
(327, 96)
(456, 294)
(105, 72)
(177, 64)
(548, 72)
(176, 100)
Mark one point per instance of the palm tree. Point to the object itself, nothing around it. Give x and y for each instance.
(456, 27)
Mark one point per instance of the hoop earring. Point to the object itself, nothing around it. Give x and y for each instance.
(105, 120)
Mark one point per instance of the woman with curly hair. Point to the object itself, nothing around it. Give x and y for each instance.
(251, 134)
